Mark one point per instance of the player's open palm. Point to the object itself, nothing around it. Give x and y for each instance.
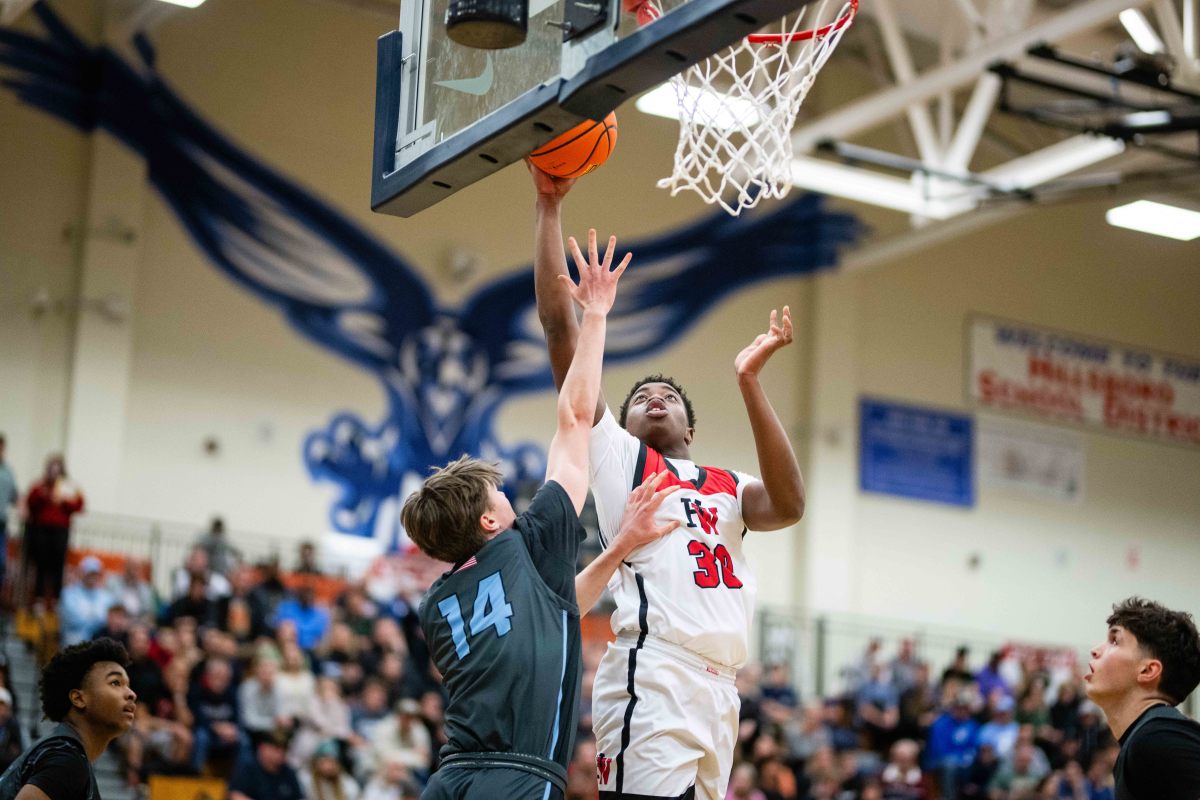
(597, 287)
(752, 358)
(637, 523)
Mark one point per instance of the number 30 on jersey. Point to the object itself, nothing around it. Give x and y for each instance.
(492, 610)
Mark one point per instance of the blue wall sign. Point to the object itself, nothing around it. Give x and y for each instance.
(915, 452)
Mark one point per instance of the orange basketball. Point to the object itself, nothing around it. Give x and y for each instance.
(579, 150)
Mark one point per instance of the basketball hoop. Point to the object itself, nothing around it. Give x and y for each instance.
(738, 107)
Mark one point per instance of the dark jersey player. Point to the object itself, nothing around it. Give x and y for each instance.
(86, 691)
(503, 624)
(1148, 664)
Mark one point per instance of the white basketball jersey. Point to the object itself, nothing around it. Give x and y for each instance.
(693, 587)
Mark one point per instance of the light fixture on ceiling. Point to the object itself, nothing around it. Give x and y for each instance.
(1141, 32)
(713, 109)
(1159, 219)
(184, 3)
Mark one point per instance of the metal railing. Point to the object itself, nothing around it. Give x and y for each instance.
(166, 544)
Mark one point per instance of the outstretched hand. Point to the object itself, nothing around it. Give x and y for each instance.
(549, 187)
(752, 358)
(597, 288)
(637, 523)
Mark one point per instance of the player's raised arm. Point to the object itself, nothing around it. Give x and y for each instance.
(778, 499)
(637, 528)
(555, 308)
(567, 461)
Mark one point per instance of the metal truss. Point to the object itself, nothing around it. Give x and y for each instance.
(941, 185)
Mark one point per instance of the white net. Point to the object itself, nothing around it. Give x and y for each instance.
(737, 108)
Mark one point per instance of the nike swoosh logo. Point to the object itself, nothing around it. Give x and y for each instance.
(481, 84)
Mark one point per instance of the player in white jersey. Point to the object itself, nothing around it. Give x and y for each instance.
(665, 709)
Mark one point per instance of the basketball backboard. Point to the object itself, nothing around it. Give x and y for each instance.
(447, 115)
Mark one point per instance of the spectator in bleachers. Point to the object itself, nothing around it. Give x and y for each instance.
(953, 741)
(742, 784)
(270, 591)
(49, 506)
(9, 495)
(359, 612)
(222, 556)
(145, 675)
(85, 604)
(904, 666)
(809, 733)
(1064, 714)
(1017, 775)
(295, 684)
(1002, 729)
(116, 625)
(402, 737)
(310, 619)
(214, 707)
(241, 613)
(878, 707)
(338, 648)
(196, 567)
(327, 717)
(267, 776)
(155, 745)
(392, 782)
(974, 784)
(958, 675)
(7, 684)
(306, 561)
(258, 698)
(12, 740)
(324, 778)
(918, 705)
(776, 780)
(195, 604)
(902, 778)
(990, 680)
(134, 592)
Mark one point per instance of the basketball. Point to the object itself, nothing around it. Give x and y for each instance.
(578, 151)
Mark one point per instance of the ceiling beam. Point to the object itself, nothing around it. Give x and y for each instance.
(870, 111)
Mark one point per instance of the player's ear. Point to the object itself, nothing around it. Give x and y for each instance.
(489, 522)
(688, 435)
(1150, 673)
(77, 699)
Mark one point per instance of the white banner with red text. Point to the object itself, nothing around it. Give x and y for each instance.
(1076, 379)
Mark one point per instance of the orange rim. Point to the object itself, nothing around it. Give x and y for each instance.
(803, 36)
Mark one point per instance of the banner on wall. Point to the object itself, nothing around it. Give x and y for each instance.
(916, 452)
(1069, 378)
(1030, 459)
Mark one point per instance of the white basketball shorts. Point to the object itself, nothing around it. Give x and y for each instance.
(666, 722)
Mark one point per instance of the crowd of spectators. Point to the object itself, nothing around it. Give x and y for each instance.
(241, 677)
(1016, 729)
(277, 691)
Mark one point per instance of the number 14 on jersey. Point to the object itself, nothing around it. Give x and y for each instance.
(491, 610)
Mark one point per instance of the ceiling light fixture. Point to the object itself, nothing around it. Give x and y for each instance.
(1159, 219)
(1141, 32)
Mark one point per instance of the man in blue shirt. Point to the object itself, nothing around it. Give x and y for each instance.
(310, 619)
(953, 740)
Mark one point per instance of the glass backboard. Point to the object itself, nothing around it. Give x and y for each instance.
(448, 115)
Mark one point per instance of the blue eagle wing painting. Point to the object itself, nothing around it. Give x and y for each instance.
(445, 372)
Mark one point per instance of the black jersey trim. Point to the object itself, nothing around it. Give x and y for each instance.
(640, 467)
(626, 726)
(690, 794)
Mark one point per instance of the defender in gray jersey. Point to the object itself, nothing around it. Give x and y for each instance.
(503, 624)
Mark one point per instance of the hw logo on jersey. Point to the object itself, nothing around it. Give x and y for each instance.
(603, 768)
(706, 516)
